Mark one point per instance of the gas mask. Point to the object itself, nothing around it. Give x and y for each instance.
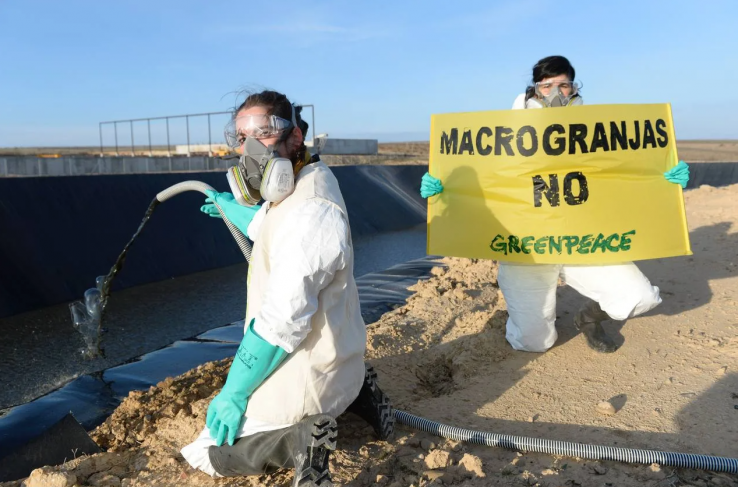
(261, 172)
(551, 95)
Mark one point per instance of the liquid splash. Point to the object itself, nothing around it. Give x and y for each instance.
(87, 315)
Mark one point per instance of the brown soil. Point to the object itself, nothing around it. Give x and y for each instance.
(672, 386)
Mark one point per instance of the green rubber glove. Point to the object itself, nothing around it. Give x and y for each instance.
(255, 360)
(210, 209)
(430, 186)
(238, 214)
(678, 174)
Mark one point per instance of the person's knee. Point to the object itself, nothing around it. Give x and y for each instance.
(529, 345)
(650, 298)
(220, 461)
(535, 337)
(640, 300)
(250, 455)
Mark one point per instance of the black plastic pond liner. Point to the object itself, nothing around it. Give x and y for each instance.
(64, 441)
(91, 398)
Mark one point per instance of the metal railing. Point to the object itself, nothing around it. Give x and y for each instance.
(187, 117)
(148, 124)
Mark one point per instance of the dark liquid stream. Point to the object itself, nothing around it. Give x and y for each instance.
(87, 314)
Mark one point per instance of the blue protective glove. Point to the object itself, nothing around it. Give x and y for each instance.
(678, 174)
(430, 186)
(255, 360)
(238, 214)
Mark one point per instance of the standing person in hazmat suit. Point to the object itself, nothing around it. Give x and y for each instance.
(619, 291)
(301, 361)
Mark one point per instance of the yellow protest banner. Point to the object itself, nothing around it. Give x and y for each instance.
(576, 185)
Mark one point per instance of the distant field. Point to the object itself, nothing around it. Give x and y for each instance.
(406, 152)
(688, 150)
(708, 150)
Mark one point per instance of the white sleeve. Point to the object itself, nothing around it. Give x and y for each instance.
(519, 102)
(253, 228)
(306, 251)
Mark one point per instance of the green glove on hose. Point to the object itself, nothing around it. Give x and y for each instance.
(238, 214)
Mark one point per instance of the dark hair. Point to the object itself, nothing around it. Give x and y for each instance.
(549, 67)
(277, 104)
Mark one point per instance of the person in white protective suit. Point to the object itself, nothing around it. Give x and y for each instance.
(301, 361)
(617, 292)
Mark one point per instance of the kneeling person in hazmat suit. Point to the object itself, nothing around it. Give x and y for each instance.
(618, 291)
(301, 361)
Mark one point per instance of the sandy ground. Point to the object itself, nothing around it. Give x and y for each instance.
(673, 385)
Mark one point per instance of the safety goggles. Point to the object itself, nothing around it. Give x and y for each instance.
(570, 88)
(254, 126)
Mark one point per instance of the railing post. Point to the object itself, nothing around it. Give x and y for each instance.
(133, 150)
(148, 123)
(210, 139)
(187, 119)
(102, 153)
(169, 152)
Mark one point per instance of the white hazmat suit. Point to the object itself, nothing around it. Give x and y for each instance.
(621, 290)
(302, 294)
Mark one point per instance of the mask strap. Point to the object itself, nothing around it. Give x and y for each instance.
(294, 122)
(286, 133)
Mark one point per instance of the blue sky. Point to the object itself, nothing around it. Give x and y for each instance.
(373, 69)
